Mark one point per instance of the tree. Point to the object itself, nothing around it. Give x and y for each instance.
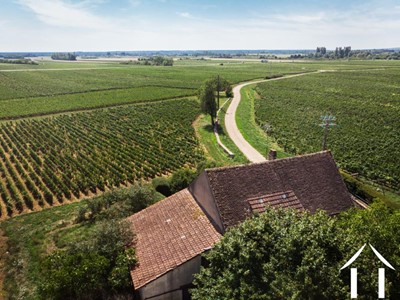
(95, 268)
(284, 254)
(207, 100)
(280, 254)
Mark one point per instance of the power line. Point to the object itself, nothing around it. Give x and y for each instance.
(328, 121)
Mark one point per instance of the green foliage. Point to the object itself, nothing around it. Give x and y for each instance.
(20, 61)
(366, 107)
(228, 91)
(73, 155)
(207, 100)
(280, 254)
(162, 185)
(74, 275)
(283, 254)
(117, 204)
(120, 278)
(91, 269)
(380, 227)
(181, 179)
(63, 56)
(208, 164)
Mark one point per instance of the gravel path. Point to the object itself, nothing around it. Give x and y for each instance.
(230, 123)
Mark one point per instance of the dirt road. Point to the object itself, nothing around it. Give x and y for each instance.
(230, 122)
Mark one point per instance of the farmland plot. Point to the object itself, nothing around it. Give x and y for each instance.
(58, 159)
(366, 105)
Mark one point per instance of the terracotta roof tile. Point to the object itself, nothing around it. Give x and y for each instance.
(168, 234)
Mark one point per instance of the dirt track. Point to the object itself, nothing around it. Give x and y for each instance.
(230, 123)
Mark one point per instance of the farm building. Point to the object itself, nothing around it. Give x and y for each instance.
(172, 234)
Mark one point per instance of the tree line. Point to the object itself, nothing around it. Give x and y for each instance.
(63, 56)
(152, 61)
(347, 52)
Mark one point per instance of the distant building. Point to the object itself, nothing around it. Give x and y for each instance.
(172, 234)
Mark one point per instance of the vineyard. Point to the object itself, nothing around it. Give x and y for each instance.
(52, 160)
(367, 108)
(44, 91)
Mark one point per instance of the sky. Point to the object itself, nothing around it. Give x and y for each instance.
(128, 25)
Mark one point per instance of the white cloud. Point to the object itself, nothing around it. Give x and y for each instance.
(185, 15)
(63, 14)
(300, 18)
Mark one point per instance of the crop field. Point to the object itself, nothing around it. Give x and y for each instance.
(59, 159)
(28, 91)
(366, 104)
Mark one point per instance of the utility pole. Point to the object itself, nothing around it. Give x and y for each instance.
(327, 122)
(218, 91)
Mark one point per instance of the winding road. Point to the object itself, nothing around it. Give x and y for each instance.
(230, 121)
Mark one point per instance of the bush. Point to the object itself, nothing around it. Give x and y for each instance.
(139, 197)
(181, 179)
(74, 275)
(95, 268)
(162, 185)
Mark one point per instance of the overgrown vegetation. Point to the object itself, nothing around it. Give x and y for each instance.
(79, 251)
(284, 254)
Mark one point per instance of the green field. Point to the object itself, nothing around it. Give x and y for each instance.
(59, 159)
(32, 91)
(366, 104)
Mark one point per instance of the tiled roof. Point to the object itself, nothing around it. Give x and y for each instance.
(313, 178)
(282, 199)
(168, 234)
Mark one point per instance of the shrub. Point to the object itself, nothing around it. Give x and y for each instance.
(162, 185)
(181, 179)
(74, 275)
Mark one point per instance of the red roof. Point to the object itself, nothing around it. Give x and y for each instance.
(168, 234)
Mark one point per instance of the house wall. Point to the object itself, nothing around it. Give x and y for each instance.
(175, 279)
(202, 193)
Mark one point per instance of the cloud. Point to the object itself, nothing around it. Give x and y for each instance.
(301, 18)
(63, 14)
(185, 15)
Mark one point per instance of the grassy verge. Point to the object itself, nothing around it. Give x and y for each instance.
(249, 129)
(207, 139)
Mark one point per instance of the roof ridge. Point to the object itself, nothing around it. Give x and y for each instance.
(298, 157)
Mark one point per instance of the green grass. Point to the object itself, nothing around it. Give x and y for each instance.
(246, 123)
(30, 238)
(211, 148)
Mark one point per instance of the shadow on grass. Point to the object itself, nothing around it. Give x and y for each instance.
(209, 128)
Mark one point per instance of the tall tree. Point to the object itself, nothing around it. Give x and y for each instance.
(207, 99)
